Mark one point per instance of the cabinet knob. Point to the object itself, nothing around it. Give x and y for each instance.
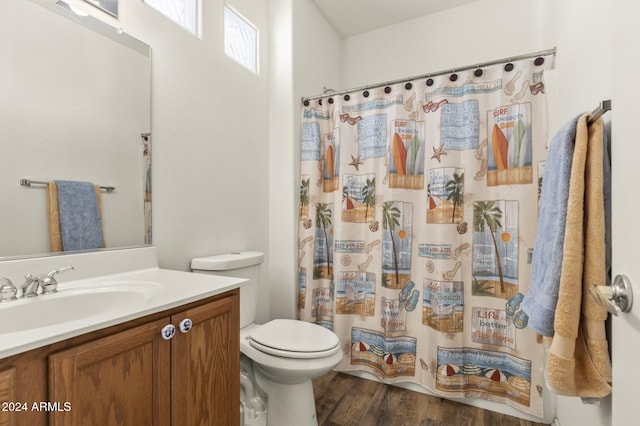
(168, 331)
(185, 325)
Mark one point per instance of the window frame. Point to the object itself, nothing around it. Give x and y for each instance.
(197, 31)
(249, 24)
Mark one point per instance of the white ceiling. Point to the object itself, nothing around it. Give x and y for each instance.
(351, 17)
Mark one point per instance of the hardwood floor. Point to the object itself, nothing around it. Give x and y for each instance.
(345, 400)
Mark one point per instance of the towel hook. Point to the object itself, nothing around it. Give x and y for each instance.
(618, 297)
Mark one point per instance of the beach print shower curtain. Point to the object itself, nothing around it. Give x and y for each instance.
(418, 213)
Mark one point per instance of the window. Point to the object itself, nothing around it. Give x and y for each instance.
(240, 39)
(184, 12)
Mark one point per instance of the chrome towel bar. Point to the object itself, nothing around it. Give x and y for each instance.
(29, 182)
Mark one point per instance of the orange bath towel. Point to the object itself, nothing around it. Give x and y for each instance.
(578, 360)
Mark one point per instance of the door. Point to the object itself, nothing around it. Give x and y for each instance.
(206, 364)
(122, 379)
(626, 207)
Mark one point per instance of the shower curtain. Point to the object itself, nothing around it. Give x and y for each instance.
(418, 213)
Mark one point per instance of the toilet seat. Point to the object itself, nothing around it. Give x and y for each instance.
(294, 339)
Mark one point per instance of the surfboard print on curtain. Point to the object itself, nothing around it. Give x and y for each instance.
(510, 141)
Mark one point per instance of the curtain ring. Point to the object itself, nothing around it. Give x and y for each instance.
(408, 86)
(508, 67)
(453, 77)
(387, 90)
(365, 93)
(429, 82)
(539, 61)
(478, 72)
(347, 97)
(330, 100)
(319, 101)
(305, 102)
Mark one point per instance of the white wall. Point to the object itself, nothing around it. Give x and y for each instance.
(478, 32)
(282, 241)
(210, 127)
(494, 29)
(225, 153)
(305, 56)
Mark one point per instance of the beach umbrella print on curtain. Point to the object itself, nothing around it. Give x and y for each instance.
(360, 347)
(434, 201)
(496, 375)
(448, 370)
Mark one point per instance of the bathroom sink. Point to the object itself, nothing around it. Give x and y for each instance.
(73, 304)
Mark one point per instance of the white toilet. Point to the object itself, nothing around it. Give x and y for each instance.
(286, 354)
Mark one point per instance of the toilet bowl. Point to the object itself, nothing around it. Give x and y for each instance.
(286, 377)
(286, 354)
(290, 351)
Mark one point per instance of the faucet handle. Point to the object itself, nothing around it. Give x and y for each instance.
(7, 290)
(49, 284)
(29, 287)
(57, 271)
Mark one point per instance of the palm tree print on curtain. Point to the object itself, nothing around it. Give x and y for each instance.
(304, 197)
(358, 198)
(396, 243)
(368, 193)
(399, 248)
(323, 258)
(455, 187)
(445, 195)
(495, 247)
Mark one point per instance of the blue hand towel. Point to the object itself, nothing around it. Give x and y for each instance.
(546, 265)
(80, 224)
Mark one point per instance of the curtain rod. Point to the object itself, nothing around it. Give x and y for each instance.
(433, 74)
(29, 182)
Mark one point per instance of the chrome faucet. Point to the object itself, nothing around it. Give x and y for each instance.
(47, 282)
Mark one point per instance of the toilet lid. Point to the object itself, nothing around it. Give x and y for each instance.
(294, 339)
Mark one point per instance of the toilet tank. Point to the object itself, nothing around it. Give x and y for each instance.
(243, 264)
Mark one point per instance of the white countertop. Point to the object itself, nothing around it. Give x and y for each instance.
(167, 289)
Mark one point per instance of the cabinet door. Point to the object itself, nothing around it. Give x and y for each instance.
(122, 379)
(206, 365)
(8, 396)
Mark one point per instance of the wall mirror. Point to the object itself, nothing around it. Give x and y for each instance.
(74, 105)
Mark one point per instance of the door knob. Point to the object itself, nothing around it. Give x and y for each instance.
(618, 297)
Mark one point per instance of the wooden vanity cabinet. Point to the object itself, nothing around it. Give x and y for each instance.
(129, 375)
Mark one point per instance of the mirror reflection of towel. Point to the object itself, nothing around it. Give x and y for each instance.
(74, 216)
